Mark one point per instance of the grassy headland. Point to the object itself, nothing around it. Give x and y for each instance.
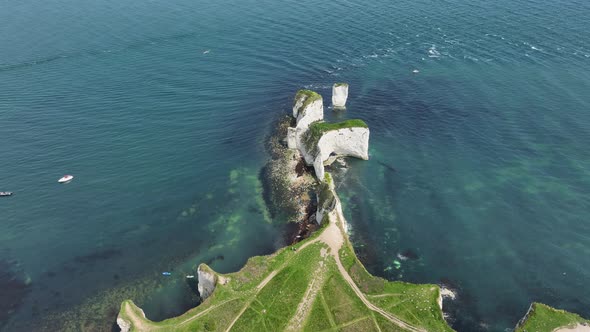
(317, 284)
(543, 318)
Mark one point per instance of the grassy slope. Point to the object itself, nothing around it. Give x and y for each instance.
(543, 318)
(413, 303)
(335, 307)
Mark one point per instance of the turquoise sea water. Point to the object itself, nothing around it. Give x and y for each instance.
(479, 162)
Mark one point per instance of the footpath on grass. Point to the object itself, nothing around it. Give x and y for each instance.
(317, 262)
(317, 284)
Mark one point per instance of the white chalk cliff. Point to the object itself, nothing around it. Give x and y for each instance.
(307, 108)
(207, 281)
(339, 95)
(350, 141)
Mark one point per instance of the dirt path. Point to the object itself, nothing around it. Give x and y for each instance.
(204, 312)
(577, 328)
(138, 324)
(334, 238)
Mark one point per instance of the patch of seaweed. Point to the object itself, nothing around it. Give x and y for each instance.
(14, 288)
(283, 198)
(98, 256)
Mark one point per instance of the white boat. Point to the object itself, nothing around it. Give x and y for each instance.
(5, 193)
(66, 179)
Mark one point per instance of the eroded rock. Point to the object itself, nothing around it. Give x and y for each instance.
(339, 95)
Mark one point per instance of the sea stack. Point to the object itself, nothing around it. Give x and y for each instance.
(339, 95)
(308, 107)
(320, 142)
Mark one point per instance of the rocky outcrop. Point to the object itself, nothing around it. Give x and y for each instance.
(207, 281)
(445, 293)
(327, 199)
(124, 325)
(353, 142)
(339, 95)
(308, 108)
(318, 141)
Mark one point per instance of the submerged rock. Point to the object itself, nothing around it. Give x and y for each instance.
(14, 288)
(339, 95)
(407, 254)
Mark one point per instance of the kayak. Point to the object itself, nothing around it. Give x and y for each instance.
(65, 179)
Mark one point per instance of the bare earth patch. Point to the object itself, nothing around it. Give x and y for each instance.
(577, 328)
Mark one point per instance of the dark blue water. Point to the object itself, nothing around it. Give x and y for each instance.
(478, 162)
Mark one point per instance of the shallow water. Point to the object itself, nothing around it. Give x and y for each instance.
(478, 162)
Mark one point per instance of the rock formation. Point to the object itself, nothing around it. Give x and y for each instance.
(124, 325)
(352, 141)
(339, 95)
(207, 281)
(308, 107)
(318, 141)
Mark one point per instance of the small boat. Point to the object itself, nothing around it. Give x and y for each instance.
(66, 179)
(415, 71)
(166, 273)
(5, 193)
(190, 277)
(206, 52)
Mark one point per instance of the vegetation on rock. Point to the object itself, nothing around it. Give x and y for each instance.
(317, 129)
(543, 318)
(310, 97)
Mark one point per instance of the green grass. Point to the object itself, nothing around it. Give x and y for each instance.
(335, 307)
(416, 304)
(317, 129)
(274, 306)
(328, 178)
(319, 319)
(543, 318)
(310, 97)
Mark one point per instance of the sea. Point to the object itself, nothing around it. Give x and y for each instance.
(479, 169)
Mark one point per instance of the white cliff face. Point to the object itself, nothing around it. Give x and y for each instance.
(304, 115)
(124, 325)
(353, 142)
(339, 95)
(207, 282)
(313, 111)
